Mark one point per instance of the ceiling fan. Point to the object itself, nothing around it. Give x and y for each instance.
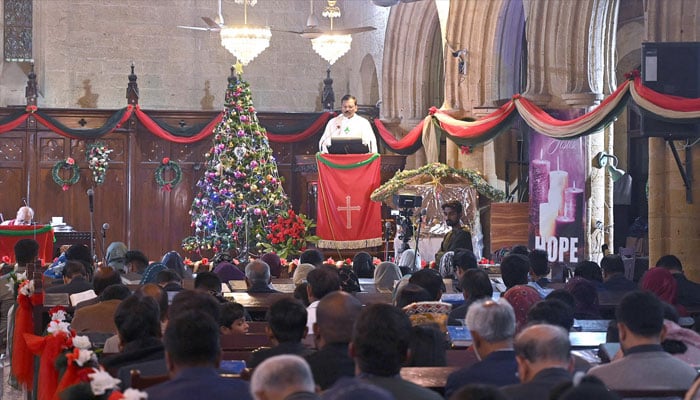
(331, 11)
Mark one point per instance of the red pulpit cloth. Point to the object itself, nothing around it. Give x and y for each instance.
(346, 217)
(9, 235)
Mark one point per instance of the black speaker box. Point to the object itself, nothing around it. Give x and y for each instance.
(671, 68)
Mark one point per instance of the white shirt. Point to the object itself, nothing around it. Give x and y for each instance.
(311, 316)
(348, 127)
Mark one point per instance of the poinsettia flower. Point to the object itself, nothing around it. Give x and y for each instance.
(56, 327)
(6, 259)
(58, 315)
(101, 381)
(376, 261)
(70, 161)
(82, 342)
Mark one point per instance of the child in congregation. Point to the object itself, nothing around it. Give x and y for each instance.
(233, 321)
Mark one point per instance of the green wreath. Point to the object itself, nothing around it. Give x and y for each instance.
(166, 165)
(70, 164)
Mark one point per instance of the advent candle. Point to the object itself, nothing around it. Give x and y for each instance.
(548, 217)
(540, 180)
(565, 227)
(558, 182)
(573, 203)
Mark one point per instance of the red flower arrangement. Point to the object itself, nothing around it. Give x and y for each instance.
(289, 234)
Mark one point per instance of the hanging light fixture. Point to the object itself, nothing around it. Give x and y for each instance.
(245, 41)
(331, 46)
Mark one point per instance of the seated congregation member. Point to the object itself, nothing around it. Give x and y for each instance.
(335, 316)
(522, 298)
(283, 377)
(138, 323)
(81, 253)
(228, 272)
(590, 271)
(273, 260)
(362, 265)
(169, 280)
(492, 326)
(411, 293)
(173, 260)
(514, 270)
(99, 317)
(660, 281)
(135, 263)
(385, 275)
(688, 291)
(322, 281)
(427, 347)
(645, 365)
(476, 285)
(286, 321)
(209, 282)
(232, 320)
(26, 252)
(544, 362)
(585, 298)
(379, 357)
(355, 388)
(614, 275)
(149, 275)
(103, 278)
(539, 271)
(74, 278)
(349, 282)
(301, 272)
(311, 256)
(116, 257)
(193, 354)
(519, 249)
(463, 260)
(430, 280)
(257, 277)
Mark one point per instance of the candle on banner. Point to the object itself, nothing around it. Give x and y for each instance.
(573, 202)
(558, 182)
(548, 218)
(540, 179)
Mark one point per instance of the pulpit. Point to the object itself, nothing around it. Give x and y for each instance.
(10, 235)
(305, 167)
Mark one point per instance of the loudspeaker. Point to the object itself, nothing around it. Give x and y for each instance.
(671, 68)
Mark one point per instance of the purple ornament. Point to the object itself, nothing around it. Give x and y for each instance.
(253, 164)
(257, 211)
(240, 133)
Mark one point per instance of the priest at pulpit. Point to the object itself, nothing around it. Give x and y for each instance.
(25, 215)
(348, 125)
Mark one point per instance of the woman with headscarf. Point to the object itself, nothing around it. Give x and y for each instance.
(300, 273)
(521, 298)
(661, 282)
(385, 275)
(585, 298)
(362, 265)
(173, 260)
(116, 257)
(409, 261)
(229, 272)
(149, 275)
(348, 280)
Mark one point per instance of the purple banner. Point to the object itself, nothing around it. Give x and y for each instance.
(557, 196)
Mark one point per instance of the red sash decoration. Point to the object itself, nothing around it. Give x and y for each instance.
(346, 217)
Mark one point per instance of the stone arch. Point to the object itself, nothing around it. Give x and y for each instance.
(370, 82)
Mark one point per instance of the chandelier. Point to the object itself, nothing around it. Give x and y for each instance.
(247, 41)
(331, 46)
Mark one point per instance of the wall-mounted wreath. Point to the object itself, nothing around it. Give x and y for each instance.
(167, 165)
(70, 165)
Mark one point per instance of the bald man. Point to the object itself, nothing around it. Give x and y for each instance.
(335, 317)
(543, 354)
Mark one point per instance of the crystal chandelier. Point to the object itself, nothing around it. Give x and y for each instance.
(331, 46)
(247, 41)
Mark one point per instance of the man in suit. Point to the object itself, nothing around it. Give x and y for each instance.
(614, 275)
(335, 317)
(640, 321)
(193, 354)
(688, 291)
(258, 278)
(74, 279)
(544, 362)
(379, 356)
(458, 237)
(99, 317)
(492, 326)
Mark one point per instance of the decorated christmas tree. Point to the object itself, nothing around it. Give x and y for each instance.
(241, 191)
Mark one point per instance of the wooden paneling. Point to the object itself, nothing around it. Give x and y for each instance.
(509, 224)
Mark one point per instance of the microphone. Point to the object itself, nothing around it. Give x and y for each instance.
(24, 200)
(105, 226)
(91, 196)
(387, 229)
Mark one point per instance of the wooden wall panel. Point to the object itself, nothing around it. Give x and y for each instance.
(509, 224)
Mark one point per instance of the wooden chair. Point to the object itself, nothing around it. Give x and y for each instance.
(628, 255)
(142, 382)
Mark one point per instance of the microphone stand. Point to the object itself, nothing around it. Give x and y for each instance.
(386, 242)
(104, 254)
(92, 234)
(420, 223)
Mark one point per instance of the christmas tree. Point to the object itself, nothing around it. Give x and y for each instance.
(241, 191)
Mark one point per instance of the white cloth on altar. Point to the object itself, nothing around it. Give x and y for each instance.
(348, 127)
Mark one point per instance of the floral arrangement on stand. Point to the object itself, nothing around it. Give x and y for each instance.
(67, 164)
(98, 160)
(290, 234)
(168, 165)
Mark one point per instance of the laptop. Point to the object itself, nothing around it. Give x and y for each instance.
(347, 145)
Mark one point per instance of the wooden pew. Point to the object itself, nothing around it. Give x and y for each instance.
(429, 377)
